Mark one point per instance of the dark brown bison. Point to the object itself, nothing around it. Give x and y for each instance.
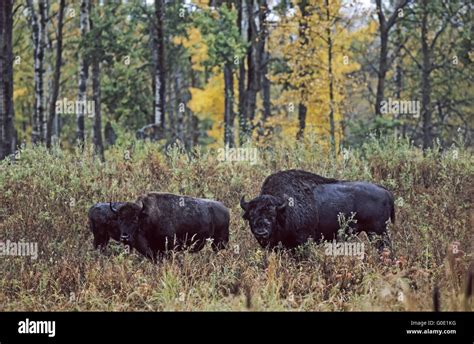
(103, 224)
(158, 222)
(296, 205)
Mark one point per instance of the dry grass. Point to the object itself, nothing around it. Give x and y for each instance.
(44, 198)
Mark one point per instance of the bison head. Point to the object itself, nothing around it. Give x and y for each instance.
(129, 218)
(103, 224)
(262, 214)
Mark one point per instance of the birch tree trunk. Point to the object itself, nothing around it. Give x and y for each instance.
(228, 108)
(44, 38)
(83, 75)
(48, 70)
(97, 54)
(425, 78)
(180, 104)
(243, 29)
(266, 89)
(384, 28)
(382, 70)
(265, 60)
(96, 95)
(253, 64)
(7, 135)
(192, 129)
(171, 105)
(38, 32)
(52, 128)
(302, 109)
(332, 129)
(399, 76)
(160, 76)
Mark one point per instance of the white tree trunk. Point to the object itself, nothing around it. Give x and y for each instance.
(7, 137)
(83, 74)
(38, 35)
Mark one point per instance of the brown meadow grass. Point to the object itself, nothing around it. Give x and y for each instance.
(44, 198)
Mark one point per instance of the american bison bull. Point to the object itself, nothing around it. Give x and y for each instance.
(158, 222)
(296, 205)
(103, 223)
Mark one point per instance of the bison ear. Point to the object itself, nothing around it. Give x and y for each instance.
(244, 205)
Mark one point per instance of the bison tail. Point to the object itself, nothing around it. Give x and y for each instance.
(392, 206)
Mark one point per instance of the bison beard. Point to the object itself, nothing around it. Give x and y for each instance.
(294, 206)
(158, 222)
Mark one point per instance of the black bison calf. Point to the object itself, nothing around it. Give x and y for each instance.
(295, 205)
(158, 222)
(103, 223)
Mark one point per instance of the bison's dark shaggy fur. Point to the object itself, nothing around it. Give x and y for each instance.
(103, 223)
(295, 205)
(293, 181)
(158, 222)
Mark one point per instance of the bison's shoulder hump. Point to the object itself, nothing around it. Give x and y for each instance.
(294, 179)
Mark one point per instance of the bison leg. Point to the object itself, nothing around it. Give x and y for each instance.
(220, 224)
(381, 241)
(101, 242)
(220, 245)
(220, 239)
(142, 246)
(387, 241)
(197, 245)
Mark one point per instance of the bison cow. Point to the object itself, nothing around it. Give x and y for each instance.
(296, 205)
(103, 223)
(158, 222)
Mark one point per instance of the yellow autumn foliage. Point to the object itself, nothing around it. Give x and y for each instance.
(308, 75)
(308, 72)
(208, 103)
(19, 92)
(196, 47)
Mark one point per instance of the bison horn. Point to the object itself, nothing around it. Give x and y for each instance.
(243, 204)
(281, 206)
(142, 206)
(114, 210)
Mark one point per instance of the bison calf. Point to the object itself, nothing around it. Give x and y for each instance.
(103, 224)
(295, 205)
(158, 222)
